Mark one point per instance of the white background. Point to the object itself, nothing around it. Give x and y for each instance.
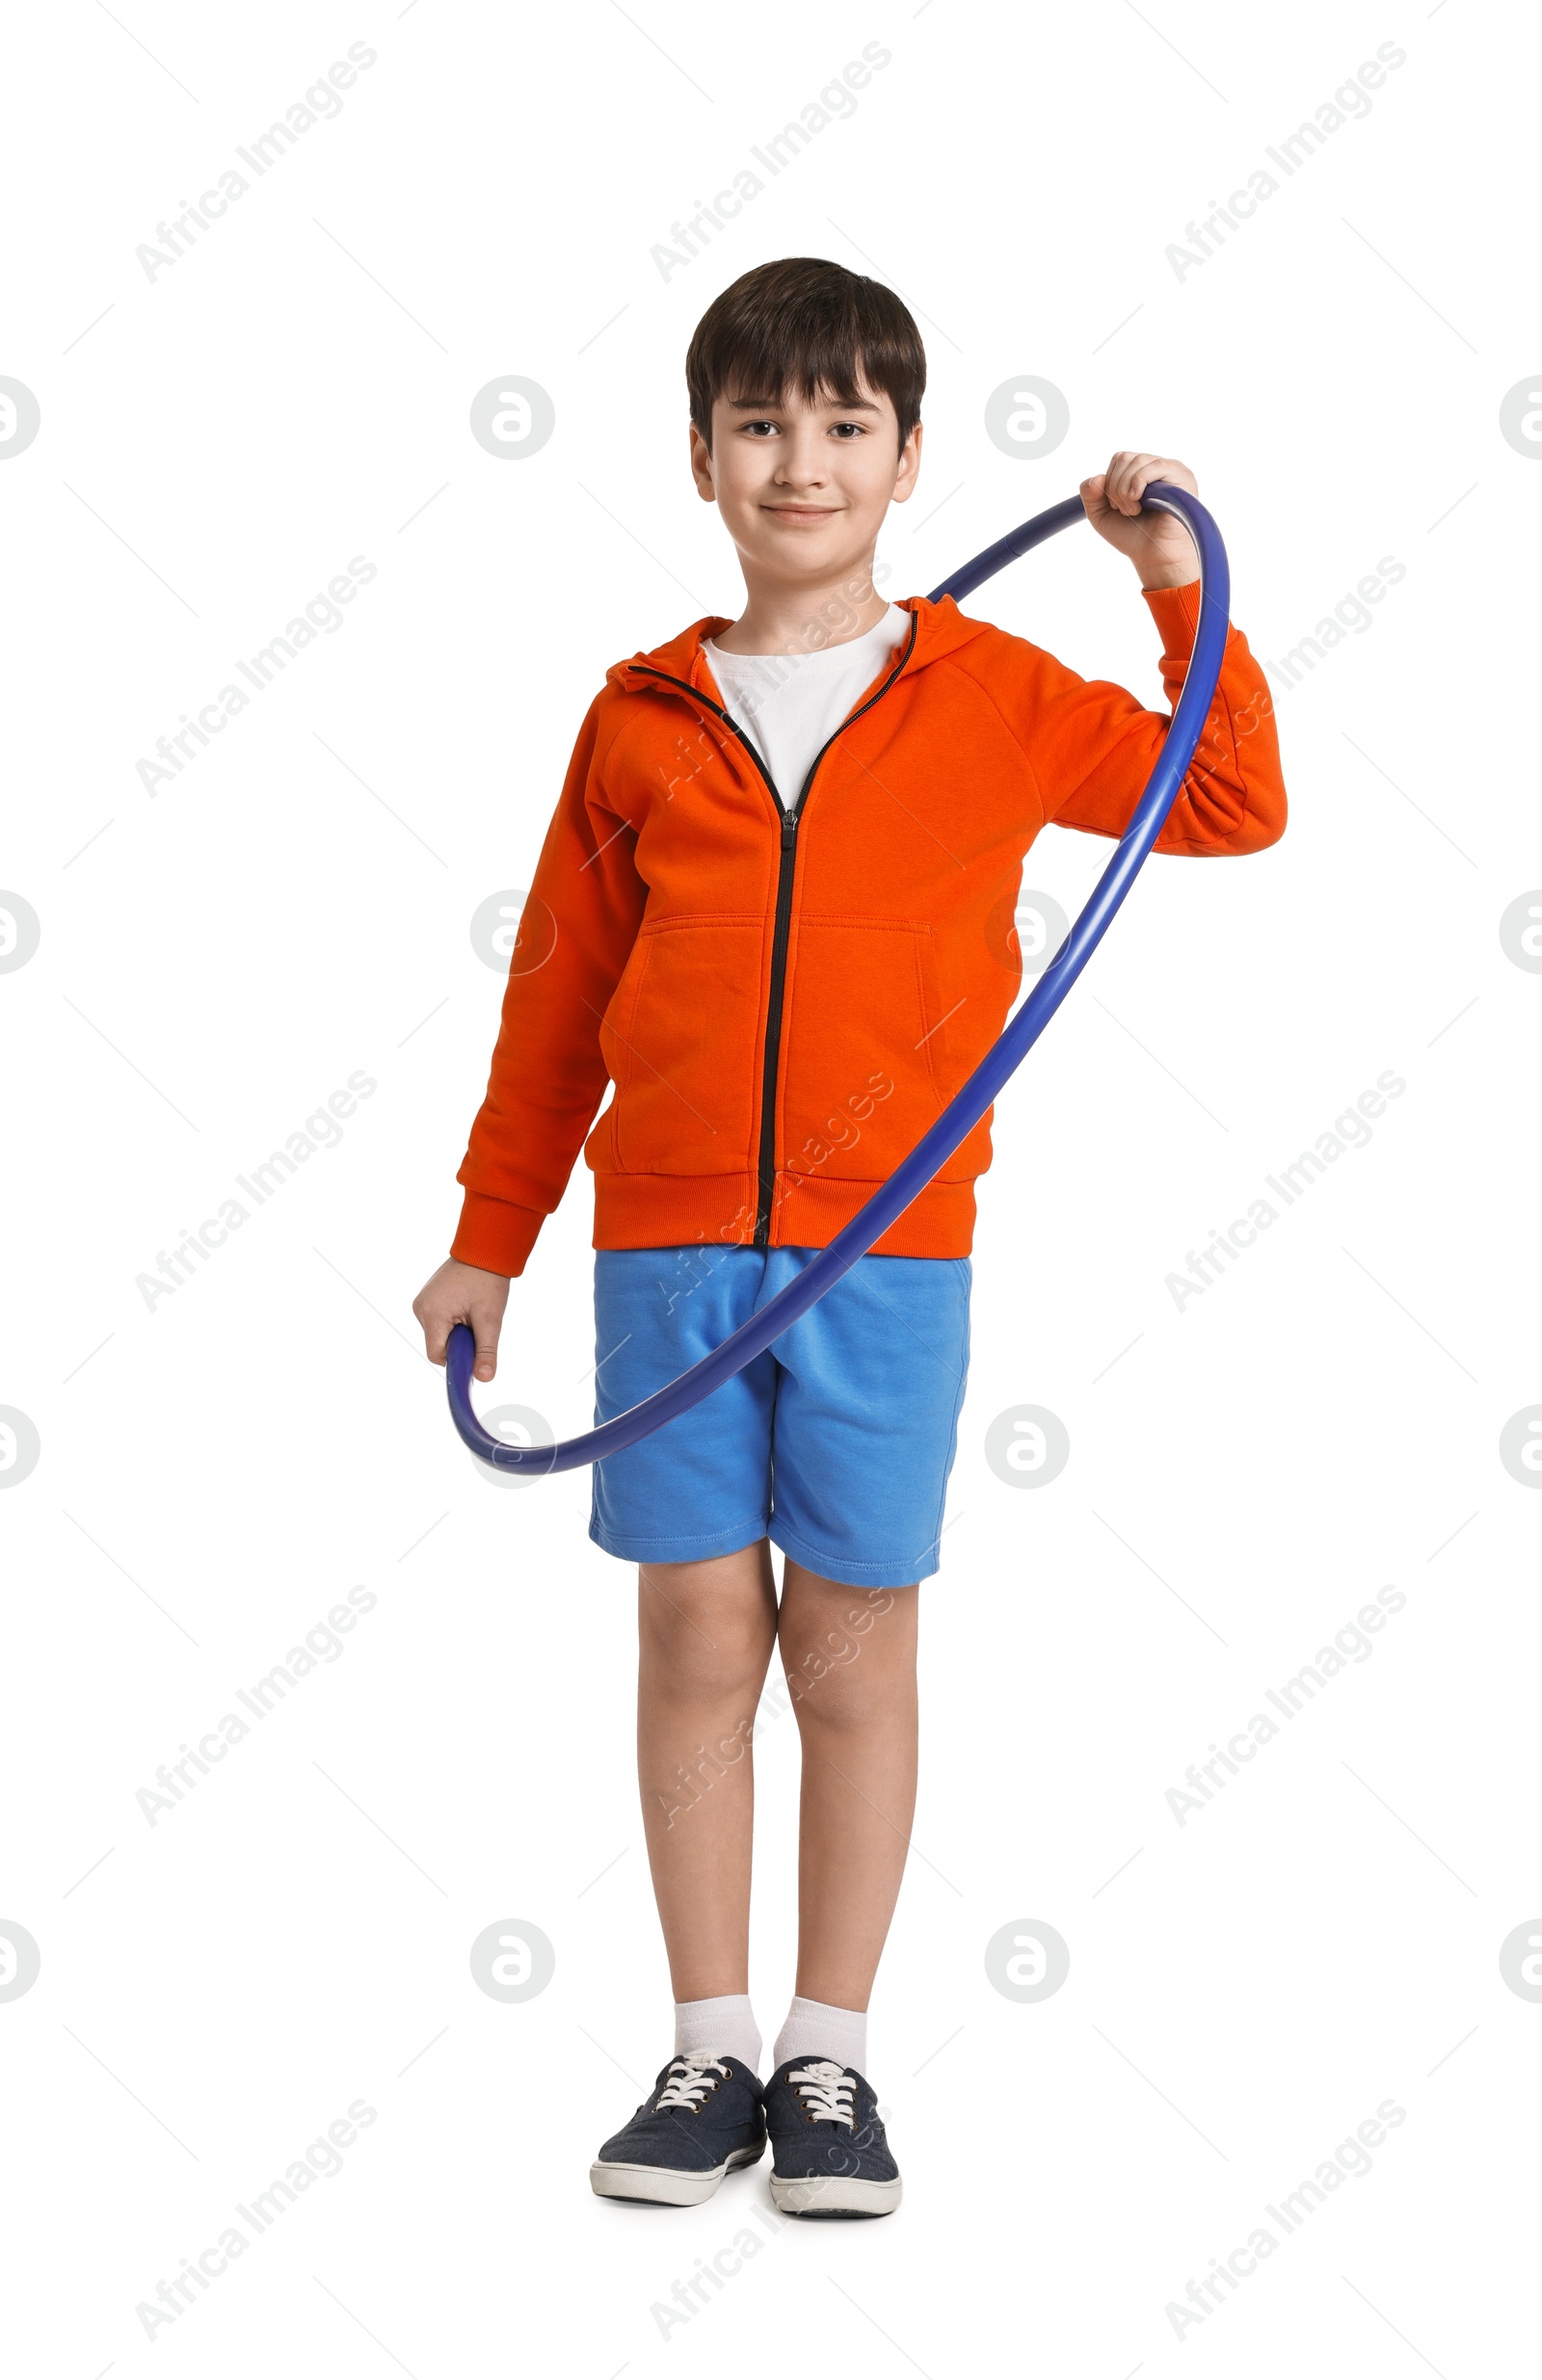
(216, 443)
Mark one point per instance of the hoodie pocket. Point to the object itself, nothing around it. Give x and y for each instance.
(683, 1054)
(859, 1085)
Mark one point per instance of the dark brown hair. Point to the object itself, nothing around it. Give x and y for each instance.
(802, 322)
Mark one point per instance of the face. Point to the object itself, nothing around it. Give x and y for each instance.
(803, 487)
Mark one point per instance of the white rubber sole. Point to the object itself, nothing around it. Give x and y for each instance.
(835, 2194)
(662, 2187)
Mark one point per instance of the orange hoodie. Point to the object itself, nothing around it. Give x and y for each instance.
(785, 1000)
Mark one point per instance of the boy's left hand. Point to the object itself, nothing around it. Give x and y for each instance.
(1159, 546)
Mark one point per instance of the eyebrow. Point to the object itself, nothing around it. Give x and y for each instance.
(772, 405)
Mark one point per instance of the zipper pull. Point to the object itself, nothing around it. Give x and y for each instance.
(789, 826)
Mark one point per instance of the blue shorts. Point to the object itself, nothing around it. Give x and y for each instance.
(835, 1441)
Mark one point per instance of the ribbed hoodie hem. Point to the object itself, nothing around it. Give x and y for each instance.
(667, 1210)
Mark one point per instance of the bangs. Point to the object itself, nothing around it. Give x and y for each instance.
(808, 326)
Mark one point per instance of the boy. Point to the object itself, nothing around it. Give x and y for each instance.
(773, 908)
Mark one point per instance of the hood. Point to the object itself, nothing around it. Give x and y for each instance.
(941, 628)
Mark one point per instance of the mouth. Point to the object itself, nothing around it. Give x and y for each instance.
(801, 512)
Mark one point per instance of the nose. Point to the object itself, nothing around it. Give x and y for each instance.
(802, 458)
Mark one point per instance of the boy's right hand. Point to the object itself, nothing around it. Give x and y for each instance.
(462, 1293)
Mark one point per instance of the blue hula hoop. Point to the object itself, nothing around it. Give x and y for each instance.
(964, 1110)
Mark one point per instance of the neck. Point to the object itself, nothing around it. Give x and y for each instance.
(809, 616)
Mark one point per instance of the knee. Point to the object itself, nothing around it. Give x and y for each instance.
(697, 1642)
(840, 1677)
(842, 1699)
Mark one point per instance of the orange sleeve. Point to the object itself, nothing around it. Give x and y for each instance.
(1092, 746)
(548, 1072)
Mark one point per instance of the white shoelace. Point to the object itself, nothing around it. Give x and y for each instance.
(826, 2090)
(687, 2086)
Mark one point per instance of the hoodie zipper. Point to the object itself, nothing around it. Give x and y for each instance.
(782, 933)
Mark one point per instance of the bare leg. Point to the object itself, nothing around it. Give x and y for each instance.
(706, 1630)
(849, 1654)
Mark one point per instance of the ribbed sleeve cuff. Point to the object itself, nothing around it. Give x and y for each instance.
(1176, 612)
(494, 1234)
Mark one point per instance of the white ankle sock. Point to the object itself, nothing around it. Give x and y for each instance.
(813, 2029)
(726, 2023)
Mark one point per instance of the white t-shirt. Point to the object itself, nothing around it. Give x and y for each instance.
(790, 704)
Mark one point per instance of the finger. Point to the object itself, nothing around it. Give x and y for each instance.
(1136, 476)
(1177, 474)
(486, 1349)
(436, 1334)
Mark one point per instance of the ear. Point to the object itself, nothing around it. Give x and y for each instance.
(909, 467)
(702, 466)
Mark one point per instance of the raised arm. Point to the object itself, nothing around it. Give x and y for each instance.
(1092, 745)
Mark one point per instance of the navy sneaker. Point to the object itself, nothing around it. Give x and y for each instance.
(704, 2118)
(829, 2153)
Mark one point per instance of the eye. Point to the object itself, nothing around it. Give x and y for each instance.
(751, 429)
(858, 429)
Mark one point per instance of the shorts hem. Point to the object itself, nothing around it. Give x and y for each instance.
(892, 1573)
(702, 1547)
